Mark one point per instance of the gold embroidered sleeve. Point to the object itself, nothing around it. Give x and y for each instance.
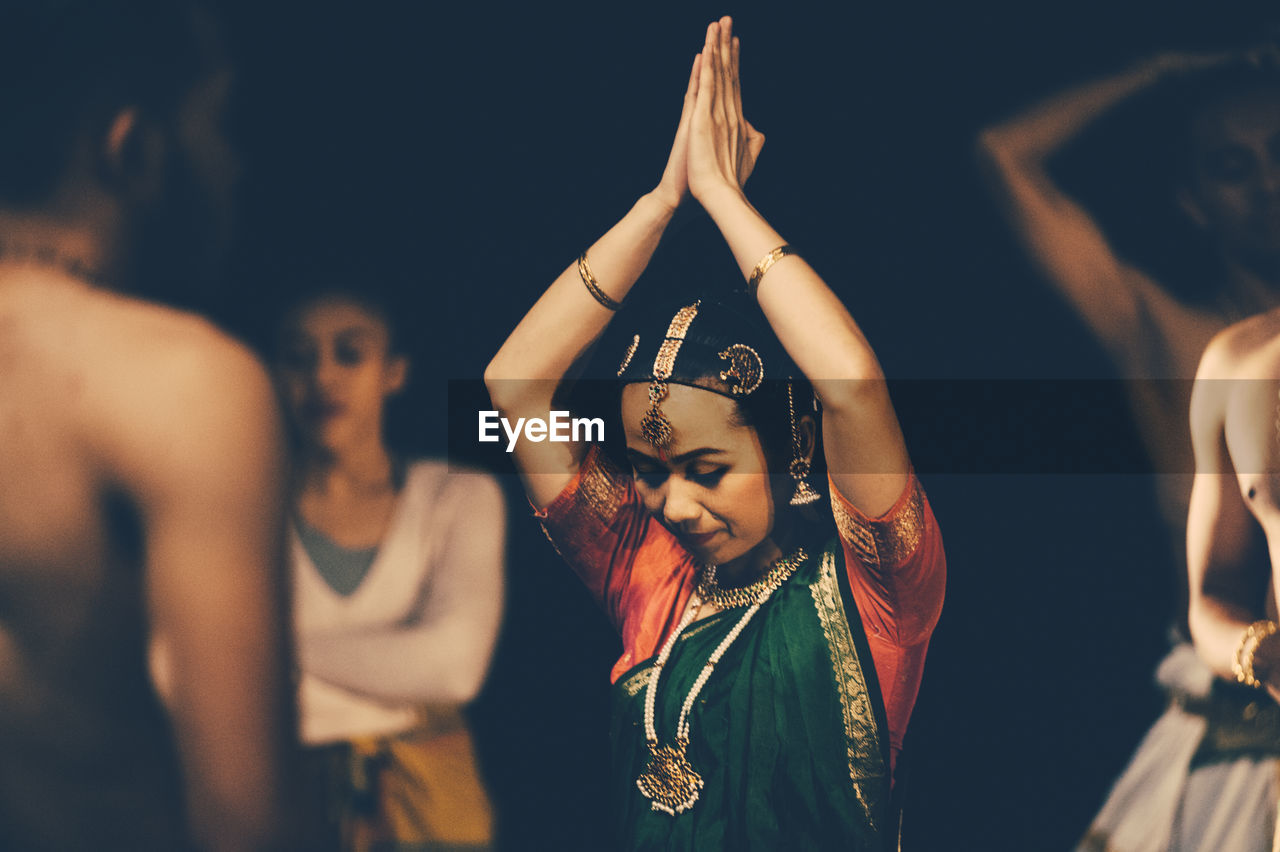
(588, 505)
(602, 487)
(581, 522)
(888, 540)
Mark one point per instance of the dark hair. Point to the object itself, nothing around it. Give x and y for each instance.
(373, 301)
(372, 284)
(768, 412)
(722, 321)
(68, 65)
(1196, 93)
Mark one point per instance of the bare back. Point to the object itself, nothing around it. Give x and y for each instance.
(77, 712)
(92, 392)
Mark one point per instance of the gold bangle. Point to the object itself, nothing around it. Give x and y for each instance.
(584, 272)
(753, 283)
(1242, 659)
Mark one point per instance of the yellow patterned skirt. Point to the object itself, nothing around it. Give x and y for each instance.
(419, 789)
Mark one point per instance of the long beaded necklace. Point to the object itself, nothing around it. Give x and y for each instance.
(669, 781)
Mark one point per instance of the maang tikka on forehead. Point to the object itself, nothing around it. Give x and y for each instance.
(740, 370)
(655, 427)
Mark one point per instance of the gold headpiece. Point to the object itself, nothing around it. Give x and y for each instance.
(628, 355)
(745, 369)
(655, 427)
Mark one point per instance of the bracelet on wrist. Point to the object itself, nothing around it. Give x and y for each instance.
(1247, 648)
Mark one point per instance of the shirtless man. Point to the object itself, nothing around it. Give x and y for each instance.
(140, 457)
(1149, 334)
(1231, 189)
(1233, 527)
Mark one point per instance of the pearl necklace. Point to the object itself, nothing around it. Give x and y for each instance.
(669, 781)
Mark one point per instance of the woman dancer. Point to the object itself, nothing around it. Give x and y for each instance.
(768, 672)
(398, 593)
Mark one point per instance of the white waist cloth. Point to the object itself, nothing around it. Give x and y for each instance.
(1160, 804)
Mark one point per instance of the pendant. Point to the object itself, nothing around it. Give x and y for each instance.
(669, 781)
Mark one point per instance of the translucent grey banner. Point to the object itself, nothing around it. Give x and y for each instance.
(1058, 426)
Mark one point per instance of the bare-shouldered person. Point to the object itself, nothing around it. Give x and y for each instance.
(1233, 560)
(1233, 529)
(1149, 334)
(1178, 791)
(140, 457)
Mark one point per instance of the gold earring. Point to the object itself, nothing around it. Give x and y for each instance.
(799, 469)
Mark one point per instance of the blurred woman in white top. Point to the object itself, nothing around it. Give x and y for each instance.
(398, 593)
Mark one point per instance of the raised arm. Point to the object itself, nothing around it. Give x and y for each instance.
(1226, 561)
(866, 454)
(567, 320)
(1121, 305)
(207, 473)
(442, 654)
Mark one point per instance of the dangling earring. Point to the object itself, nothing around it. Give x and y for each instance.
(799, 464)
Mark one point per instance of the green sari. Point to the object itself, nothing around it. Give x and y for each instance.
(788, 734)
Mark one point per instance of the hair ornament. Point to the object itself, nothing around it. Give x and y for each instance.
(745, 371)
(628, 355)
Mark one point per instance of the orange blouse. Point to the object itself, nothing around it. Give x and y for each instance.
(642, 576)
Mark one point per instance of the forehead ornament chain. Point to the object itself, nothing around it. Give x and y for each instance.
(655, 428)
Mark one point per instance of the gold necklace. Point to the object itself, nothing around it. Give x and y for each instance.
(710, 592)
(669, 781)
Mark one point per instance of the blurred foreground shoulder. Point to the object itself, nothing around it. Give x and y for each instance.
(184, 396)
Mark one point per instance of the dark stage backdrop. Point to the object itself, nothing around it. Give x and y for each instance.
(461, 155)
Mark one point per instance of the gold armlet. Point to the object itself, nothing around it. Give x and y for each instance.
(593, 287)
(766, 262)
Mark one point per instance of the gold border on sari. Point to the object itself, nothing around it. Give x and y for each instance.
(862, 735)
(636, 682)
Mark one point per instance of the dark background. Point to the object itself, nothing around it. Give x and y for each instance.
(461, 156)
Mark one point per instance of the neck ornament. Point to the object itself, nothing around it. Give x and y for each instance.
(669, 781)
(709, 589)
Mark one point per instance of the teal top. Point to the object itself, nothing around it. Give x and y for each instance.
(341, 567)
